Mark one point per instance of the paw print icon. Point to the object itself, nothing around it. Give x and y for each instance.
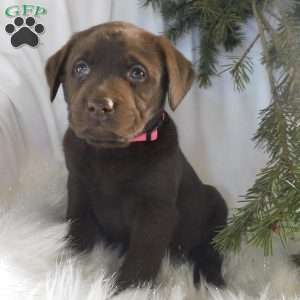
(24, 31)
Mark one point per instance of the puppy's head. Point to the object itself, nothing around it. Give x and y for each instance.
(115, 78)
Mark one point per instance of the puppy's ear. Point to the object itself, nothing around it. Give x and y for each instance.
(55, 69)
(180, 72)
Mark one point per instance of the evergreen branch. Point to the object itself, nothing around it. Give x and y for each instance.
(155, 3)
(207, 64)
(261, 27)
(240, 61)
(272, 205)
(240, 71)
(219, 23)
(241, 67)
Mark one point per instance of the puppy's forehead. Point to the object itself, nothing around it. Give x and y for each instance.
(128, 31)
(118, 39)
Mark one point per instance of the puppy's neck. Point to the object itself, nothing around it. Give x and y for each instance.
(151, 131)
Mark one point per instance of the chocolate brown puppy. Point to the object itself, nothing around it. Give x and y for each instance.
(129, 183)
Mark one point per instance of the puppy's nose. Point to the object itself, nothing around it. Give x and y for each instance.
(100, 107)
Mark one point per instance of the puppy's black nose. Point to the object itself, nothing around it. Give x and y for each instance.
(100, 107)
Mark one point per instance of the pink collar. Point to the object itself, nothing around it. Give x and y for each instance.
(150, 136)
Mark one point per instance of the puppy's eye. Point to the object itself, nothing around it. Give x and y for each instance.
(137, 73)
(81, 69)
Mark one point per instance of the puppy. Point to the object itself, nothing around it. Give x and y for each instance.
(129, 182)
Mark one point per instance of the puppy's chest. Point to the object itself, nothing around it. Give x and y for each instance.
(112, 194)
(114, 175)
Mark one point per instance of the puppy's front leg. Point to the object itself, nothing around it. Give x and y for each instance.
(83, 228)
(151, 233)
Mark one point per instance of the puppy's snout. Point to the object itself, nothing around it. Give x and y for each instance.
(100, 107)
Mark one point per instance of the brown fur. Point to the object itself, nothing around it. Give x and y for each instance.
(143, 196)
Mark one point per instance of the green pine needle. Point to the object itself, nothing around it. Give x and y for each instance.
(219, 24)
(240, 71)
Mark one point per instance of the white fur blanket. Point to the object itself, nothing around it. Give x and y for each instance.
(35, 265)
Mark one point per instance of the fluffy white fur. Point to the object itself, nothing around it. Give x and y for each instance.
(34, 263)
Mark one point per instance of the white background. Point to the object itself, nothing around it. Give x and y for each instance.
(215, 125)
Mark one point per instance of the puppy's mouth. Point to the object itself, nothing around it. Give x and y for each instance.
(106, 139)
(100, 138)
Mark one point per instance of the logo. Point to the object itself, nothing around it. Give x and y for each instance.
(24, 29)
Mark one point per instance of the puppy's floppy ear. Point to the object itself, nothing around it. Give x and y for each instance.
(55, 68)
(180, 72)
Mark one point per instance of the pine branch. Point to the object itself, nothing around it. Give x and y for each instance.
(261, 28)
(207, 64)
(180, 19)
(219, 23)
(241, 67)
(155, 3)
(273, 203)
